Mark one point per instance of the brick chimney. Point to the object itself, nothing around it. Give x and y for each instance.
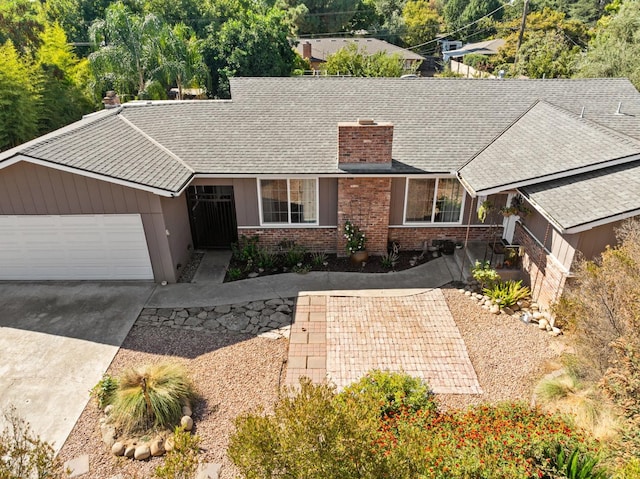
(365, 143)
(111, 100)
(306, 50)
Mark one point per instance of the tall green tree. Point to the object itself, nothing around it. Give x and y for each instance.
(19, 98)
(63, 100)
(354, 61)
(128, 54)
(421, 20)
(550, 47)
(21, 22)
(325, 16)
(251, 41)
(615, 49)
(458, 14)
(182, 60)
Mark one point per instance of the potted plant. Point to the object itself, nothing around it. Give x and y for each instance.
(356, 242)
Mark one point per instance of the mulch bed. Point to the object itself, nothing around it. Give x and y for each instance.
(406, 260)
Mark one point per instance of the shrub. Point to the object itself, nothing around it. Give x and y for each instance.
(392, 392)
(265, 259)
(387, 426)
(25, 455)
(293, 255)
(319, 259)
(507, 293)
(182, 461)
(356, 239)
(151, 396)
(310, 435)
(103, 391)
(484, 274)
(234, 274)
(246, 249)
(389, 260)
(501, 441)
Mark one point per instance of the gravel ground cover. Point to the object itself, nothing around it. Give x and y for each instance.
(236, 373)
(233, 373)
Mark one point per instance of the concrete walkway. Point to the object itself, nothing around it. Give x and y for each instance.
(433, 274)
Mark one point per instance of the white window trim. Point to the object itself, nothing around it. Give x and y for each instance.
(431, 224)
(288, 224)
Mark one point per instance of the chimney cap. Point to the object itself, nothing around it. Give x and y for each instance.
(366, 121)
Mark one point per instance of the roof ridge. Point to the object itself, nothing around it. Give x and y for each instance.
(156, 143)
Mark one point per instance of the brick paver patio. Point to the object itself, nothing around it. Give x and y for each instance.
(340, 338)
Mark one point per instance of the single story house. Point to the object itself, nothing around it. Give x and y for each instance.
(317, 50)
(488, 47)
(128, 192)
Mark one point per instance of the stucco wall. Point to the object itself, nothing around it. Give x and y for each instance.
(28, 189)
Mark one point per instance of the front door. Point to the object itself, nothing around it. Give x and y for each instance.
(212, 213)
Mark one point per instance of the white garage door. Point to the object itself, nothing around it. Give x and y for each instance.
(73, 247)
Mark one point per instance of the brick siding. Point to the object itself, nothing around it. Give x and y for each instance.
(365, 202)
(412, 239)
(365, 143)
(315, 239)
(545, 274)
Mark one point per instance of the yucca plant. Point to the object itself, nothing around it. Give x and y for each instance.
(151, 396)
(507, 293)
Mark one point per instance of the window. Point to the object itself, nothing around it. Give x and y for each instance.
(292, 201)
(433, 200)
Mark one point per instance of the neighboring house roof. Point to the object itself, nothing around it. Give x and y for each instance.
(583, 201)
(288, 126)
(545, 143)
(321, 48)
(488, 47)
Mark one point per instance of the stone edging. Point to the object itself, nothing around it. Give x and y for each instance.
(271, 319)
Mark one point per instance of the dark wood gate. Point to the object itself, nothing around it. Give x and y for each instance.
(212, 213)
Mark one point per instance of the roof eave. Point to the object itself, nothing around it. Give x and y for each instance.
(556, 176)
(90, 174)
(603, 221)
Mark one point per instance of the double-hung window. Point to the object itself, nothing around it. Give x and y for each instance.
(289, 201)
(433, 200)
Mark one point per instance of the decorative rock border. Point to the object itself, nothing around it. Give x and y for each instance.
(526, 311)
(141, 448)
(271, 318)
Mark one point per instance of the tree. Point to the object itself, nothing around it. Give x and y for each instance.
(63, 100)
(421, 20)
(182, 58)
(615, 50)
(19, 98)
(325, 16)
(458, 14)
(353, 61)
(550, 45)
(128, 55)
(20, 22)
(602, 306)
(247, 40)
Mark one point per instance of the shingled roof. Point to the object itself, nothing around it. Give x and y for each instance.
(289, 126)
(580, 202)
(544, 143)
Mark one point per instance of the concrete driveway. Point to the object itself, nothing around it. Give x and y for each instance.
(56, 341)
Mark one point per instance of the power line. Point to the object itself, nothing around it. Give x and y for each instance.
(462, 28)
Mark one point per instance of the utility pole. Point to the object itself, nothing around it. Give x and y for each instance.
(522, 27)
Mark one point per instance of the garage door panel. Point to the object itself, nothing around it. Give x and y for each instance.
(73, 247)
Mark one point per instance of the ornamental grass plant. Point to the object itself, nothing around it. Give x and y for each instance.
(151, 396)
